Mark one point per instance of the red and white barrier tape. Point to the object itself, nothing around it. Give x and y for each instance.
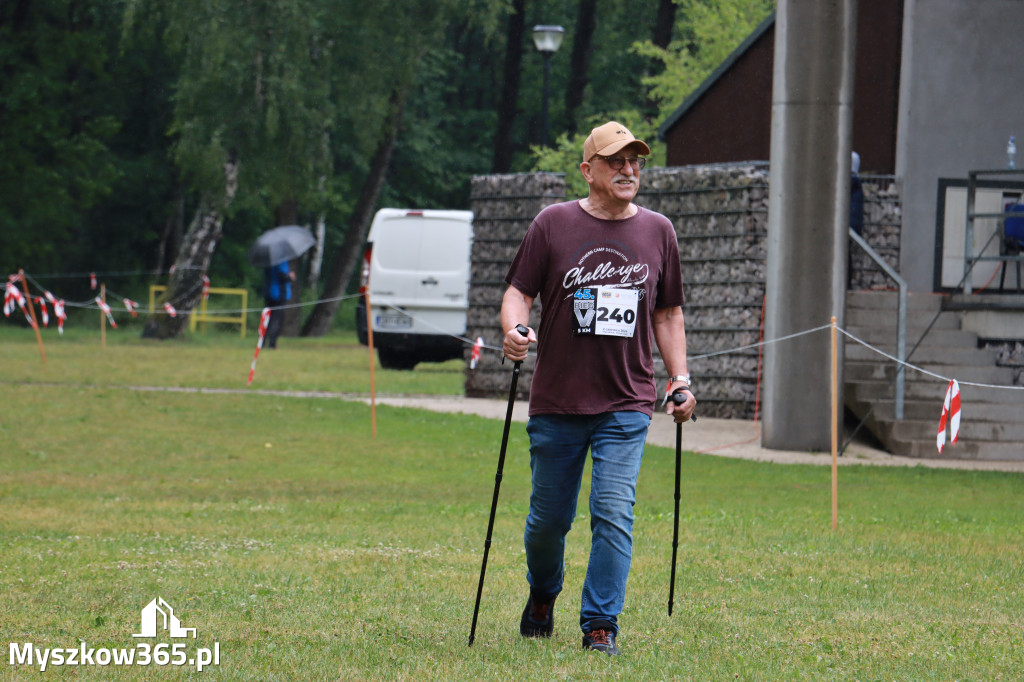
(58, 311)
(170, 309)
(131, 306)
(12, 297)
(106, 308)
(43, 312)
(950, 409)
(474, 358)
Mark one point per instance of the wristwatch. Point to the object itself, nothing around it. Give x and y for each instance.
(685, 378)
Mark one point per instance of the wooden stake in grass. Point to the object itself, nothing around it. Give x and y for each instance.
(369, 342)
(32, 312)
(103, 317)
(835, 428)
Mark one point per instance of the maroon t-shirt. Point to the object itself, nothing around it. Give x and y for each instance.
(565, 250)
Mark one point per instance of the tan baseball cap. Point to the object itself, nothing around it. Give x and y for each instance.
(610, 138)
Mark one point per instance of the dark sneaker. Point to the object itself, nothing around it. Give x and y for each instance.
(538, 617)
(601, 640)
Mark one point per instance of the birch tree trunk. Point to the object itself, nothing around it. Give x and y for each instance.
(193, 262)
(171, 235)
(316, 254)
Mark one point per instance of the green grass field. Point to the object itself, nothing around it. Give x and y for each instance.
(306, 549)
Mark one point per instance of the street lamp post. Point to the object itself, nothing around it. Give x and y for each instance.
(547, 40)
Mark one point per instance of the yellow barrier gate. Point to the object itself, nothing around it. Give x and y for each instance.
(200, 316)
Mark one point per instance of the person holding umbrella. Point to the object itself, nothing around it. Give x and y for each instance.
(277, 291)
(273, 250)
(609, 276)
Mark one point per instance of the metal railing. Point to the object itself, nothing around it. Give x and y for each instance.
(901, 319)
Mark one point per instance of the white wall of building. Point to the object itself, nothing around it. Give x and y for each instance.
(961, 97)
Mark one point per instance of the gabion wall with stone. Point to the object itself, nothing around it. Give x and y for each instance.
(720, 214)
(882, 220)
(503, 208)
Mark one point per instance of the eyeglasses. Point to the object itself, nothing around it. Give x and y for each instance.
(617, 162)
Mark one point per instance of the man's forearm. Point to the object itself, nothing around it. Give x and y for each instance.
(670, 335)
(515, 309)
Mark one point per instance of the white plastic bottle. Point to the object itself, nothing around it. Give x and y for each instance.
(1011, 154)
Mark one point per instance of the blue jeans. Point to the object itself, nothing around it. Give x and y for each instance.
(558, 452)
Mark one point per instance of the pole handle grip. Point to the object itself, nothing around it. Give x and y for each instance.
(678, 398)
(524, 331)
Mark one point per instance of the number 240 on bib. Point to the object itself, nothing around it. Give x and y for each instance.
(605, 311)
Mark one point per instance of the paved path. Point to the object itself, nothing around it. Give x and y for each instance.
(722, 437)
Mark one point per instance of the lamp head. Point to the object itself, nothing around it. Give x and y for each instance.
(548, 39)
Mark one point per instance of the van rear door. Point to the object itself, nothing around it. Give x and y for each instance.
(420, 263)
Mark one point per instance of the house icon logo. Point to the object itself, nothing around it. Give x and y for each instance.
(170, 622)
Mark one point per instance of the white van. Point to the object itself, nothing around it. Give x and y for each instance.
(416, 266)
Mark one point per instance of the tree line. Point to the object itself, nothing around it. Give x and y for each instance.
(137, 135)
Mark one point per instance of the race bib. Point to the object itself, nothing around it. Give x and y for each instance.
(605, 311)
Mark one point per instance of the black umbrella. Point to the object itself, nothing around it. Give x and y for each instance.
(280, 244)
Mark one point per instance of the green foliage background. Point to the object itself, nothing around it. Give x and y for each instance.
(117, 115)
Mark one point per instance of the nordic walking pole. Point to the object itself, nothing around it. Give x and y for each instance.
(677, 398)
(675, 522)
(497, 485)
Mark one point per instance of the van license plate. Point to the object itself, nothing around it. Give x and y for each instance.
(393, 322)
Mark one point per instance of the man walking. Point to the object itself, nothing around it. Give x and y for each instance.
(607, 273)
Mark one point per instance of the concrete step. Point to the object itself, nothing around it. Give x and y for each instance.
(889, 300)
(936, 390)
(917, 438)
(916, 409)
(885, 337)
(992, 427)
(916, 319)
(971, 429)
(924, 355)
(973, 450)
(877, 371)
(999, 413)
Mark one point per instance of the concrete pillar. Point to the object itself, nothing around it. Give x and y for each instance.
(808, 215)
